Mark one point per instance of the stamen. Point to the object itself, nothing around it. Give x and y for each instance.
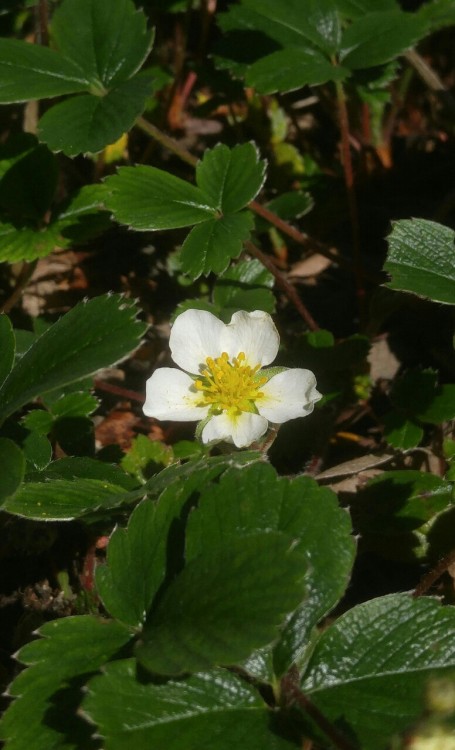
(230, 385)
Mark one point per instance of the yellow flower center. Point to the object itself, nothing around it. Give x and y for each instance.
(227, 385)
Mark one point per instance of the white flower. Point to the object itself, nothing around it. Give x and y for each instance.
(224, 383)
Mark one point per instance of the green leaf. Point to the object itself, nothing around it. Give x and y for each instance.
(380, 654)
(7, 347)
(147, 198)
(401, 433)
(292, 68)
(231, 177)
(11, 457)
(77, 404)
(88, 123)
(136, 559)
(37, 450)
(71, 488)
(215, 709)
(205, 617)
(245, 286)
(377, 37)
(39, 421)
(421, 259)
(211, 245)
(92, 335)
(30, 71)
(69, 647)
(108, 39)
(65, 500)
(281, 47)
(303, 511)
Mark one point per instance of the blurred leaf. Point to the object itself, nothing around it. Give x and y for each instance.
(92, 335)
(401, 433)
(380, 653)
(211, 245)
(143, 452)
(231, 177)
(215, 708)
(11, 457)
(292, 68)
(69, 647)
(302, 510)
(438, 14)
(291, 205)
(147, 198)
(421, 259)
(7, 347)
(378, 37)
(205, 618)
(244, 286)
(87, 123)
(355, 8)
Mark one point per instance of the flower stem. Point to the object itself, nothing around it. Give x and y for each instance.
(343, 119)
(284, 284)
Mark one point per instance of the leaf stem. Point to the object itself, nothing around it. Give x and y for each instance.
(293, 695)
(432, 576)
(289, 290)
(343, 119)
(24, 277)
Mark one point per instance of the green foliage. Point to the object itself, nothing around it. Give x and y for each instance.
(92, 335)
(146, 198)
(99, 47)
(30, 226)
(68, 649)
(287, 46)
(380, 653)
(222, 583)
(421, 259)
(215, 707)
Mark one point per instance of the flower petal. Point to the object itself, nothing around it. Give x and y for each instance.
(254, 334)
(288, 395)
(195, 336)
(241, 430)
(169, 395)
